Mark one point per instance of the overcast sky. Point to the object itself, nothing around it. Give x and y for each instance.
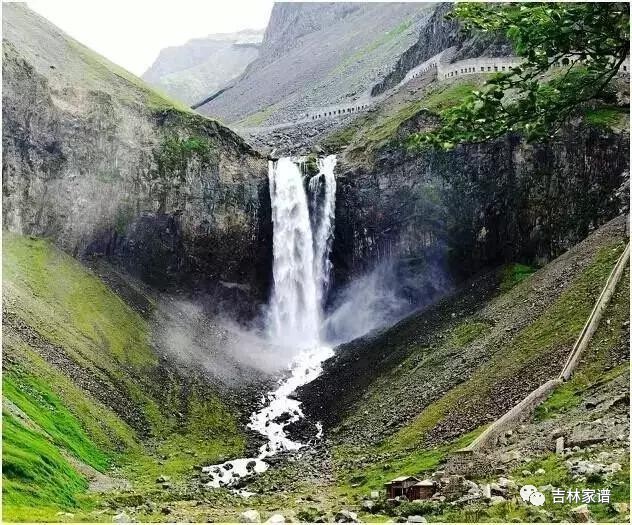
(132, 32)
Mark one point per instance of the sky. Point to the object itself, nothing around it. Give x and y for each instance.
(131, 33)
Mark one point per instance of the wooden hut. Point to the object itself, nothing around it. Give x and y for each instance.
(423, 490)
(400, 486)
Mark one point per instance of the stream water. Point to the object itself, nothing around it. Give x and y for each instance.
(303, 220)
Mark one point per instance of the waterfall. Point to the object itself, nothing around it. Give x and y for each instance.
(324, 211)
(301, 269)
(301, 264)
(294, 312)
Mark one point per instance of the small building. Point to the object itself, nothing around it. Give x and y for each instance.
(411, 487)
(400, 486)
(423, 490)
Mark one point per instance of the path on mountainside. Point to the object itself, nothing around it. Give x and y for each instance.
(438, 65)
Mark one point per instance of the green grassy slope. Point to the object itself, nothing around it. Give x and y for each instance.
(82, 383)
(461, 412)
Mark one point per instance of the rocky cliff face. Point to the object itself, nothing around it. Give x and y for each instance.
(202, 66)
(318, 54)
(479, 205)
(101, 164)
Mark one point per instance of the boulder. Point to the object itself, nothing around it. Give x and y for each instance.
(121, 518)
(416, 519)
(496, 500)
(276, 518)
(581, 514)
(162, 479)
(250, 516)
(346, 516)
(507, 483)
(367, 505)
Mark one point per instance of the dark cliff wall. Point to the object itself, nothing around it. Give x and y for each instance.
(479, 205)
(96, 161)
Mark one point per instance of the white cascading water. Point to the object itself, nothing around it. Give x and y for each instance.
(323, 236)
(294, 312)
(301, 271)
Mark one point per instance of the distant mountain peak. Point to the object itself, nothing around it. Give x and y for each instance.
(202, 65)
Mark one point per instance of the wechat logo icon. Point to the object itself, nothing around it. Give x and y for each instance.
(531, 495)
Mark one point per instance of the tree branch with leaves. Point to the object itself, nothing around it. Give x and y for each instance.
(590, 40)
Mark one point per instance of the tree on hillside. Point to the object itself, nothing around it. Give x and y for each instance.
(590, 40)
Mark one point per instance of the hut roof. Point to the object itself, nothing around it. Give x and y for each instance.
(425, 483)
(403, 478)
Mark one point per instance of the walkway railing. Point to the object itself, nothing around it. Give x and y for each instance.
(520, 411)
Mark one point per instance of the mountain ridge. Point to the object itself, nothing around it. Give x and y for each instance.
(202, 65)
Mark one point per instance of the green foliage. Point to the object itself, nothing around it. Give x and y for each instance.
(556, 327)
(388, 462)
(514, 274)
(589, 40)
(467, 332)
(310, 166)
(367, 133)
(74, 309)
(34, 473)
(47, 411)
(557, 475)
(308, 515)
(258, 118)
(56, 305)
(415, 508)
(175, 153)
(101, 72)
(608, 118)
(597, 369)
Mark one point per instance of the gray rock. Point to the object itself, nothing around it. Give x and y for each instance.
(121, 518)
(250, 516)
(367, 504)
(581, 513)
(276, 518)
(507, 483)
(346, 516)
(162, 479)
(416, 519)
